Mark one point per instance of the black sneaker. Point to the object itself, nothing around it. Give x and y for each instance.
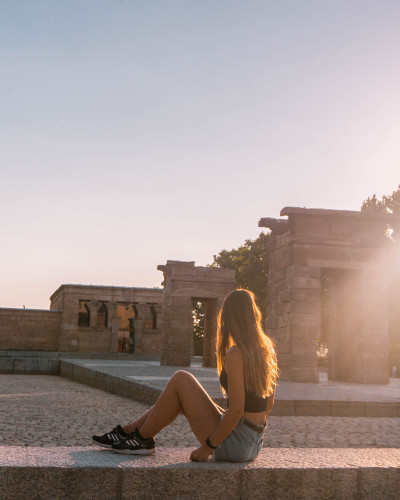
(107, 439)
(135, 445)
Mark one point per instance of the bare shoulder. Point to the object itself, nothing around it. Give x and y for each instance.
(234, 356)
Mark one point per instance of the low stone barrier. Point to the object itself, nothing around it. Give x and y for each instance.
(109, 383)
(89, 473)
(282, 407)
(48, 362)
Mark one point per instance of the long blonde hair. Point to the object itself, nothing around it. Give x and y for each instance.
(239, 322)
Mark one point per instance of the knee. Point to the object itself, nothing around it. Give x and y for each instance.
(180, 377)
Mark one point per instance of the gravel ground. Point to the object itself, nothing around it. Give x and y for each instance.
(44, 410)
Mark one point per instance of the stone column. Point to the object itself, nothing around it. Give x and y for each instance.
(358, 333)
(294, 309)
(279, 306)
(94, 306)
(111, 308)
(139, 325)
(112, 321)
(114, 333)
(158, 310)
(345, 324)
(178, 328)
(68, 339)
(373, 348)
(305, 322)
(211, 308)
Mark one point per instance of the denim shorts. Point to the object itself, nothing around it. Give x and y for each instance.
(242, 445)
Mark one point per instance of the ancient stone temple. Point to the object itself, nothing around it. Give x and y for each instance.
(108, 318)
(111, 319)
(329, 270)
(183, 282)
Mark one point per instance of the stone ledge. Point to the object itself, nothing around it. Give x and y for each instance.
(287, 211)
(89, 473)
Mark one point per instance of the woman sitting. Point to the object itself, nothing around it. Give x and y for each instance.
(248, 374)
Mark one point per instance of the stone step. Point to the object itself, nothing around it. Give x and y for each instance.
(90, 473)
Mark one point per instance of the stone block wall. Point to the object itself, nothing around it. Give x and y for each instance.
(98, 340)
(151, 342)
(29, 329)
(294, 312)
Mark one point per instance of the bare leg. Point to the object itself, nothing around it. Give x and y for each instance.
(129, 428)
(183, 393)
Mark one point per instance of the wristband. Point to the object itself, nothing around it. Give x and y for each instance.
(208, 443)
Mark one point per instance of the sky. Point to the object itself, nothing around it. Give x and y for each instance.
(132, 132)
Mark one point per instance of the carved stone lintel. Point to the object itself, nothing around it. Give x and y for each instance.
(142, 310)
(277, 226)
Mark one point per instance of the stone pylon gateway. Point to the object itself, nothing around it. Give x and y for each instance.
(329, 269)
(183, 281)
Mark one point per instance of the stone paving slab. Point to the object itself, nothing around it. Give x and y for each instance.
(144, 380)
(49, 411)
(81, 472)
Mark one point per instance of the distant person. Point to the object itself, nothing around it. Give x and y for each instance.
(131, 345)
(124, 345)
(246, 358)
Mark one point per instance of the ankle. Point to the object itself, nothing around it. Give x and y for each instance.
(126, 429)
(141, 435)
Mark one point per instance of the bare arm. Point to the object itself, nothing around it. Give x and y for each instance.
(234, 366)
(270, 403)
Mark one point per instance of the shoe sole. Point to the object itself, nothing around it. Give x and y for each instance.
(135, 452)
(106, 446)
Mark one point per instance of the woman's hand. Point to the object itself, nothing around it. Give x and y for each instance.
(201, 454)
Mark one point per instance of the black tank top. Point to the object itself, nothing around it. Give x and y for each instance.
(252, 403)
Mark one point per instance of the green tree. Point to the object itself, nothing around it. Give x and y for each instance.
(198, 326)
(388, 204)
(250, 262)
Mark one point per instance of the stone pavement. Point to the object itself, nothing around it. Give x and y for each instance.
(143, 380)
(152, 374)
(46, 411)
